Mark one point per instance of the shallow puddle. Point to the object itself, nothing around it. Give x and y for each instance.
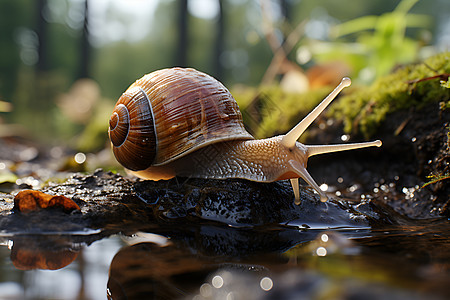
(83, 278)
(214, 261)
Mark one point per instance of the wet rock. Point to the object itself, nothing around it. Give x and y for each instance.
(114, 203)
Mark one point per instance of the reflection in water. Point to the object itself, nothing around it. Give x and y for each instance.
(325, 264)
(46, 253)
(148, 271)
(84, 278)
(216, 262)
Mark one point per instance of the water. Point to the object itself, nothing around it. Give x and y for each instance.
(215, 261)
(84, 278)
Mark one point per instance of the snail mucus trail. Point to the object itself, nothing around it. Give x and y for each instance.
(182, 122)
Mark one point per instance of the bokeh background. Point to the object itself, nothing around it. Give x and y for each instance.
(64, 63)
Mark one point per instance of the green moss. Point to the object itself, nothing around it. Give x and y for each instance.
(413, 85)
(270, 111)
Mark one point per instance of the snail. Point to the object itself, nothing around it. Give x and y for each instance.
(182, 122)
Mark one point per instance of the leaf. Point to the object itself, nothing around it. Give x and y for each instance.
(28, 200)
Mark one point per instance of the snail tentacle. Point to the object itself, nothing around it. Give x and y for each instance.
(301, 171)
(295, 188)
(321, 149)
(294, 134)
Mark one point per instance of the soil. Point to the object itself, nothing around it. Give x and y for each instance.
(415, 145)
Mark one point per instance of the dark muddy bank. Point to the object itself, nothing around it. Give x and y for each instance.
(415, 146)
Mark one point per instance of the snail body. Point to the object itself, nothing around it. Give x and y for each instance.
(182, 122)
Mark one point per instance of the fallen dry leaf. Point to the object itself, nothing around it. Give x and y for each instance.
(29, 200)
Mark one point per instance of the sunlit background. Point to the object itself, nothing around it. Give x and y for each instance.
(50, 47)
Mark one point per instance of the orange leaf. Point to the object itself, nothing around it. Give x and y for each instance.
(29, 200)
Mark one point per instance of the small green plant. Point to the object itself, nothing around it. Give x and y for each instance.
(446, 84)
(435, 178)
(374, 45)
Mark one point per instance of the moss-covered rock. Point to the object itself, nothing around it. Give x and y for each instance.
(409, 86)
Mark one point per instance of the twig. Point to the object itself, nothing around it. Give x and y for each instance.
(443, 76)
(279, 56)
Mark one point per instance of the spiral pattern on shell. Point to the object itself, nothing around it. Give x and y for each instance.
(132, 131)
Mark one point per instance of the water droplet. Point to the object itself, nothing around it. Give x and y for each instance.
(345, 137)
(321, 251)
(266, 284)
(217, 282)
(80, 158)
(353, 188)
(324, 187)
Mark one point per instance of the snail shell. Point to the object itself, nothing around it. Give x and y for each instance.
(170, 113)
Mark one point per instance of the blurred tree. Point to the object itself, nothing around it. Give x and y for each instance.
(219, 42)
(12, 31)
(156, 51)
(45, 41)
(182, 42)
(85, 45)
(286, 9)
(42, 35)
(226, 39)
